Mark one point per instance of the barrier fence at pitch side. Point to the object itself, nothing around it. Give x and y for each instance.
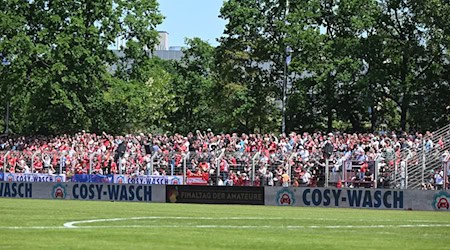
(243, 168)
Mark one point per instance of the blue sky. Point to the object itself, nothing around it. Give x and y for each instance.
(191, 18)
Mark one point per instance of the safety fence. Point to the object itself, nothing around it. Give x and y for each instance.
(222, 168)
(418, 165)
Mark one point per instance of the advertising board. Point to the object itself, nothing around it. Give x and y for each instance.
(215, 194)
(34, 177)
(83, 191)
(358, 198)
(148, 179)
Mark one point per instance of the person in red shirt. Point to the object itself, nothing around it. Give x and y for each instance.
(113, 168)
(205, 176)
(37, 165)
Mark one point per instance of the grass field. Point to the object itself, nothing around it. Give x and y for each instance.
(62, 224)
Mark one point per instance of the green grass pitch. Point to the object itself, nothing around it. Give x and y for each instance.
(62, 224)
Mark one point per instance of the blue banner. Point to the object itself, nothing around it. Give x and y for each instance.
(149, 179)
(93, 178)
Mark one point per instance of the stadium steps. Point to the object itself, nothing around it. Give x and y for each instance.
(420, 163)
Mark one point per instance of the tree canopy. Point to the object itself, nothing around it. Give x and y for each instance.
(354, 65)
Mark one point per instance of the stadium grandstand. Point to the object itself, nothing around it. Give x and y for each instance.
(390, 160)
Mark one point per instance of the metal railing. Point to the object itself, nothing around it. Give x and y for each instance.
(406, 171)
(419, 161)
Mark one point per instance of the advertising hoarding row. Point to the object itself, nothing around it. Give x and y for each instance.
(272, 196)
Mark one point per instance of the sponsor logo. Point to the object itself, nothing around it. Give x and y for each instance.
(120, 179)
(9, 177)
(285, 197)
(59, 192)
(441, 201)
(58, 179)
(172, 195)
(175, 181)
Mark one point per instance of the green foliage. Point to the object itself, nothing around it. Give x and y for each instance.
(193, 88)
(377, 56)
(59, 59)
(142, 102)
(356, 65)
(251, 59)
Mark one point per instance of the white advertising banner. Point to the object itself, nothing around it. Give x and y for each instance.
(83, 191)
(148, 179)
(358, 198)
(34, 177)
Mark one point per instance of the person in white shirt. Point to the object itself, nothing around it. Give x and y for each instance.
(262, 170)
(304, 154)
(268, 178)
(306, 178)
(439, 179)
(47, 161)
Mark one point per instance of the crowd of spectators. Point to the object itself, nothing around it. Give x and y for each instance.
(296, 159)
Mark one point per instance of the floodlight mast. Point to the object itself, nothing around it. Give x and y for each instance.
(287, 59)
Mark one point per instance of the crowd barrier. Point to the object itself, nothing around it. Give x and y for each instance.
(94, 178)
(273, 196)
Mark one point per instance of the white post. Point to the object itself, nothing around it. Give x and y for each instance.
(446, 172)
(5, 162)
(395, 170)
(254, 159)
(406, 169)
(327, 172)
(60, 163)
(152, 160)
(218, 160)
(184, 166)
(423, 162)
(344, 172)
(375, 175)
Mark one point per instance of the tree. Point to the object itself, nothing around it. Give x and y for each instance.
(326, 36)
(15, 46)
(411, 51)
(251, 59)
(193, 88)
(62, 57)
(140, 104)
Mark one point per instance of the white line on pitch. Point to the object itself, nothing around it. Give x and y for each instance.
(32, 227)
(231, 227)
(72, 224)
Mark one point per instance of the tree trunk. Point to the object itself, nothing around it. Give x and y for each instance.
(356, 124)
(405, 106)
(330, 119)
(7, 115)
(373, 120)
